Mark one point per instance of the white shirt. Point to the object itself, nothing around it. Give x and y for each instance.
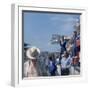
(30, 70)
(66, 62)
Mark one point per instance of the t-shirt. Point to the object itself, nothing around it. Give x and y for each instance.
(52, 66)
(66, 62)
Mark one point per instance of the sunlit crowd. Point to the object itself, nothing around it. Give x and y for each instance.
(66, 62)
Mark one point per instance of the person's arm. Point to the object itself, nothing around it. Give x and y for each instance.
(69, 63)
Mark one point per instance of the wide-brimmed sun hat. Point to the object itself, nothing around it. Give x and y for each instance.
(33, 53)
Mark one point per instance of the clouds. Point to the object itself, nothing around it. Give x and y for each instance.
(39, 27)
(64, 23)
(64, 18)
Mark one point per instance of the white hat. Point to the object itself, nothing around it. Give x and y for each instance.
(32, 52)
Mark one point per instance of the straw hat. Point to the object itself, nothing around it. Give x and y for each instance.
(33, 53)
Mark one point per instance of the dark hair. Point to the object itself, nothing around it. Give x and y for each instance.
(50, 58)
(67, 54)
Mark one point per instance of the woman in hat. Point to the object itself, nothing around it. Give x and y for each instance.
(31, 67)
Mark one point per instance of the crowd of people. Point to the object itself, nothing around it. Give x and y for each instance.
(70, 54)
(66, 63)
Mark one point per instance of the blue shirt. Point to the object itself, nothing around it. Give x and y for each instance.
(52, 66)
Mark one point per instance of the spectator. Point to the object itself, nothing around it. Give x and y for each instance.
(31, 68)
(58, 66)
(74, 49)
(65, 64)
(63, 44)
(69, 47)
(52, 66)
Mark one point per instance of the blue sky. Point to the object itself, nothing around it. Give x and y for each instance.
(39, 27)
